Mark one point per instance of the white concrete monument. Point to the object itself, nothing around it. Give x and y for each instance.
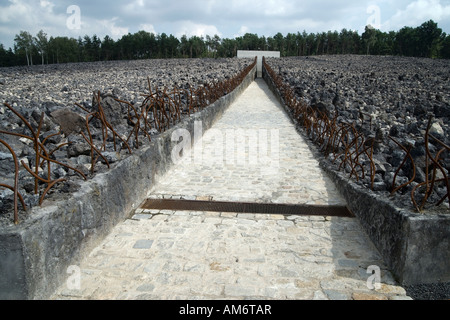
(260, 55)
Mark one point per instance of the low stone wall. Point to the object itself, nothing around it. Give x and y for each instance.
(36, 254)
(414, 246)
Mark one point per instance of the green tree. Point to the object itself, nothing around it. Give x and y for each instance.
(369, 37)
(41, 43)
(349, 42)
(333, 42)
(24, 44)
(184, 46)
(197, 47)
(291, 43)
(96, 48)
(249, 41)
(7, 57)
(228, 48)
(429, 36)
(279, 43)
(108, 47)
(173, 45)
(213, 44)
(63, 49)
(163, 44)
(406, 42)
(445, 49)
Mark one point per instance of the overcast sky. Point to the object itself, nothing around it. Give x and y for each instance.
(227, 19)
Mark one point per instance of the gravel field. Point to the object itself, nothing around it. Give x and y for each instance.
(66, 84)
(54, 90)
(395, 96)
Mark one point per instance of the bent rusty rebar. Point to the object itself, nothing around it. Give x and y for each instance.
(15, 189)
(408, 155)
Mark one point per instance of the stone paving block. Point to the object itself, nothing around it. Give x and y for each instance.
(143, 244)
(319, 295)
(337, 295)
(167, 212)
(182, 213)
(212, 220)
(142, 216)
(240, 291)
(285, 223)
(228, 214)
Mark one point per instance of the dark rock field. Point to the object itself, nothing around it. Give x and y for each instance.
(52, 92)
(384, 97)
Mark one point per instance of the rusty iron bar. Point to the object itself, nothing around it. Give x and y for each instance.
(429, 189)
(137, 125)
(105, 128)
(362, 114)
(49, 182)
(355, 161)
(34, 138)
(15, 189)
(16, 214)
(408, 155)
(372, 163)
(38, 154)
(436, 163)
(93, 148)
(38, 146)
(106, 125)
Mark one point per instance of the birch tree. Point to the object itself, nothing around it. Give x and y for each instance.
(24, 41)
(41, 42)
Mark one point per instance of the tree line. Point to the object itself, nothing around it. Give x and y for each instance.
(426, 40)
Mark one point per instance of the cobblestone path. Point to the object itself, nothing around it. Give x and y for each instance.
(252, 154)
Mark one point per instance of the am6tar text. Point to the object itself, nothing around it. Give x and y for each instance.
(250, 309)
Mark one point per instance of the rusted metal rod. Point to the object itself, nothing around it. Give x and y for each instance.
(15, 189)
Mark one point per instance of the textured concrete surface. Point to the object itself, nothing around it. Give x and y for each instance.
(213, 255)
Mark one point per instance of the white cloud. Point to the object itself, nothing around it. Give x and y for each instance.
(417, 13)
(242, 31)
(14, 11)
(47, 5)
(280, 8)
(209, 17)
(190, 29)
(109, 27)
(135, 5)
(147, 27)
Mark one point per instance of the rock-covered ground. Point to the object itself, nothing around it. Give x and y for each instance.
(55, 89)
(66, 84)
(398, 94)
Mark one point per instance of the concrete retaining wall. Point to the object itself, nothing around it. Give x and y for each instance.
(35, 255)
(415, 247)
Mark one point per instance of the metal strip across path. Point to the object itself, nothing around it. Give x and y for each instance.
(252, 154)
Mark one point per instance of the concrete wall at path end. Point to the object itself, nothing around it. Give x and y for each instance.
(260, 54)
(35, 255)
